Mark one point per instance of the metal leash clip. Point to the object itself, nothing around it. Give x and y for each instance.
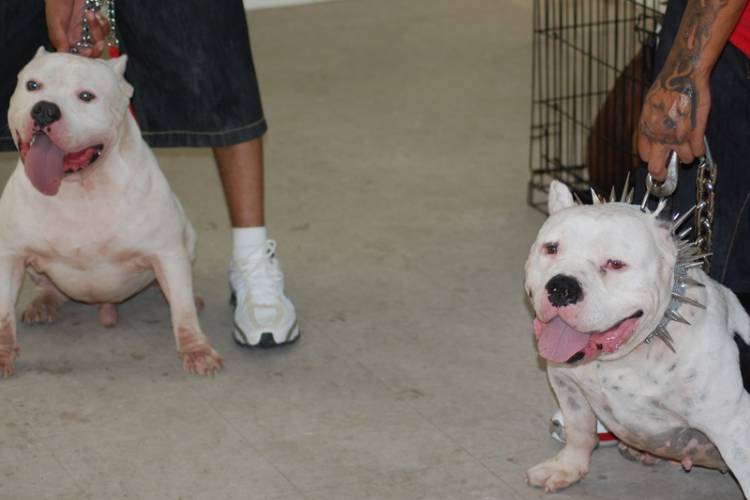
(704, 209)
(666, 188)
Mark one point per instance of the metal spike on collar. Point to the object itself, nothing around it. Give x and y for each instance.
(644, 208)
(688, 257)
(626, 191)
(629, 198)
(694, 256)
(675, 316)
(595, 197)
(613, 195)
(687, 300)
(660, 207)
(691, 282)
(665, 337)
(682, 218)
(684, 233)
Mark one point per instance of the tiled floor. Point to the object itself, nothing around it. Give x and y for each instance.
(396, 185)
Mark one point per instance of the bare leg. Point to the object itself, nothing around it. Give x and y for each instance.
(241, 171)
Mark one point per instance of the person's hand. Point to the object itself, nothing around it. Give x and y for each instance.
(64, 20)
(674, 116)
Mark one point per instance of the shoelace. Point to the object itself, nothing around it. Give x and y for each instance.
(261, 274)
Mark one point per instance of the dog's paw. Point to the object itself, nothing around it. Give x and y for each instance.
(8, 361)
(43, 309)
(554, 475)
(202, 360)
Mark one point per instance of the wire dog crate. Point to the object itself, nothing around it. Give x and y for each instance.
(592, 64)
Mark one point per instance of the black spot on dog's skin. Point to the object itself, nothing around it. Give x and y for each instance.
(616, 388)
(560, 382)
(671, 368)
(573, 404)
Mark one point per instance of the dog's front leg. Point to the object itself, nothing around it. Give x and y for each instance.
(11, 277)
(174, 274)
(572, 462)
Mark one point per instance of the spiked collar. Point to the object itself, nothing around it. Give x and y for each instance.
(688, 257)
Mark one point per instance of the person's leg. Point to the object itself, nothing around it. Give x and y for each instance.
(241, 171)
(264, 316)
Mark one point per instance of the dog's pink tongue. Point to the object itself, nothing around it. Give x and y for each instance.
(44, 165)
(558, 341)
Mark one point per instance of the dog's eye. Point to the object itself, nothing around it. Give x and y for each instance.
(550, 248)
(615, 264)
(33, 85)
(86, 96)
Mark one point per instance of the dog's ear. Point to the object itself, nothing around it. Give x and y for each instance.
(118, 64)
(41, 51)
(559, 197)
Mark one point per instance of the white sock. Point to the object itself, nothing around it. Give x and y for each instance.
(247, 241)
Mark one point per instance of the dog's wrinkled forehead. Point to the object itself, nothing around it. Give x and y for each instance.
(50, 72)
(619, 230)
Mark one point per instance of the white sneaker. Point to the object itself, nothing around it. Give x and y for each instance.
(263, 314)
(557, 431)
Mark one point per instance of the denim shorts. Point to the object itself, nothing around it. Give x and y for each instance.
(728, 135)
(189, 61)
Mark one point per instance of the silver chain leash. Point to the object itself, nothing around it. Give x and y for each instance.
(703, 220)
(96, 6)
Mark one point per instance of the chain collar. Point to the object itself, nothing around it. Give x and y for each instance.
(95, 6)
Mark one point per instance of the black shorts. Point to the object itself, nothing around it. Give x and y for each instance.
(188, 60)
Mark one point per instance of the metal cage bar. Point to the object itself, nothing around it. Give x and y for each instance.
(592, 62)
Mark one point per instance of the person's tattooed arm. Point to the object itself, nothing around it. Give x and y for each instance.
(676, 107)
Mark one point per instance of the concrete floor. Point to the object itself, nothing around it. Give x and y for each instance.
(396, 181)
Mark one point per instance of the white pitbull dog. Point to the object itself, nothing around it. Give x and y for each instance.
(604, 281)
(87, 210)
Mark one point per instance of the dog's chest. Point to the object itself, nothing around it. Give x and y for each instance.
(102, 271)
(646, 404)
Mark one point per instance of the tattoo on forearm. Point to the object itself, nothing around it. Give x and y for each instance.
(678, 74)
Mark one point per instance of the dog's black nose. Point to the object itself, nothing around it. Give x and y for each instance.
(44, 113)
(563, 290)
